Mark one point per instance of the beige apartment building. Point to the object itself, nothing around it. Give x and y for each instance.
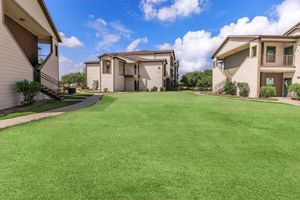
(259, 60)
(28, 49)
(133, 71)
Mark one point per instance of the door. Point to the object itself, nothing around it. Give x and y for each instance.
(286, 84)
(136, 85)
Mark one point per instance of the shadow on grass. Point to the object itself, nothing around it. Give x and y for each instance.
(105, 103)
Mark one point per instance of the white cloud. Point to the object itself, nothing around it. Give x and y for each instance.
(134, 44)
(195, 48)
(108, 33)
(68, 66)
(70, 42)
(165, 46)
(107, 40)
(153, 9)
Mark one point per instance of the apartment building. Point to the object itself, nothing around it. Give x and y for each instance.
(259, 60)
(28, 49)
(133, 71)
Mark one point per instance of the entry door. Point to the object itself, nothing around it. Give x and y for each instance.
(136, 85)
(286, 84)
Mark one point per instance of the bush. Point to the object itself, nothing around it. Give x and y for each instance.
(268, 91)
(105, 90)
(71, 90)
(295, 90)
(230, 88)
(244, 89)
(154, 89)
(29, 90)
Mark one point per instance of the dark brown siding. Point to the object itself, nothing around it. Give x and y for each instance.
(278, 81)
(26, 40)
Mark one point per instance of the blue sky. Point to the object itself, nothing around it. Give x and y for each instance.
(193, 28)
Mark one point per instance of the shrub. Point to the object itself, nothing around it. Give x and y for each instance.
(71, 90)
(105, 90)
(244, 89)
(267, 91)
(154, 89)
(295, 90)
(230, 88)
(29, 90)
(161, 89)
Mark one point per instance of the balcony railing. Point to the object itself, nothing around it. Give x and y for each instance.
(278, 60)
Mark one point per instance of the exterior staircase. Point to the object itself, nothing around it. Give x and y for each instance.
(49, 86)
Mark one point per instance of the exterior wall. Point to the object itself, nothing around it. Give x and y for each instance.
(107, 80)
(14, 66)
(93, 73)
(218, 77)
(279, 53)
(119, 78)
(233, 62)
(278, 81)
(151, 75)
(233, 43)
(129, 84)
(51, 66)
(26, 40)
(249, 73)
(296, 77)
(33, 8)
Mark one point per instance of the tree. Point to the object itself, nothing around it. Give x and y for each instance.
(197, 79)
(73, 78)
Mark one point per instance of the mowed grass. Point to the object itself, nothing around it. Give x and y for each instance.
(38, 109)
(156, 146)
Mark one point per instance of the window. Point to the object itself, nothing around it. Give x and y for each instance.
(165, 70)
(270, 81)
(135, 70)
(288, 57)
(106, 67)
(254, 51)
(271, 55)
(121, 68)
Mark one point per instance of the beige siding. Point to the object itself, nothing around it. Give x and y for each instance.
(33, 8)
(296, 77)
(151, 75)
(107, 80)
(218, 77)
(129, 84)
(14, 67)
(119, 79)
(93, 74)
(249, 73)
(232, 44)
(51, 67)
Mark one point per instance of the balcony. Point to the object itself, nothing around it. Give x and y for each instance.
(278, 61)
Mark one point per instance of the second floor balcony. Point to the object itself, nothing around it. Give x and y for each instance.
(274, 60)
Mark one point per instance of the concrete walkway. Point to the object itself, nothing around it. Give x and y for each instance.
(28, 118)
(288, 100)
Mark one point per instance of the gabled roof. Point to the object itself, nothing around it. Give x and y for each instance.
(230, 37)
(49, 19)
(292, 29)
(253, 37)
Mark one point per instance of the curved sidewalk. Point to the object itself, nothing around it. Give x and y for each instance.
(28, 118)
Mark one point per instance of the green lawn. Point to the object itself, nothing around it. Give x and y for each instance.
(156, 146)
(38, 109)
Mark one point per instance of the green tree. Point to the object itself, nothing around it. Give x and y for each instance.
(73, 78)
(197, 79)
